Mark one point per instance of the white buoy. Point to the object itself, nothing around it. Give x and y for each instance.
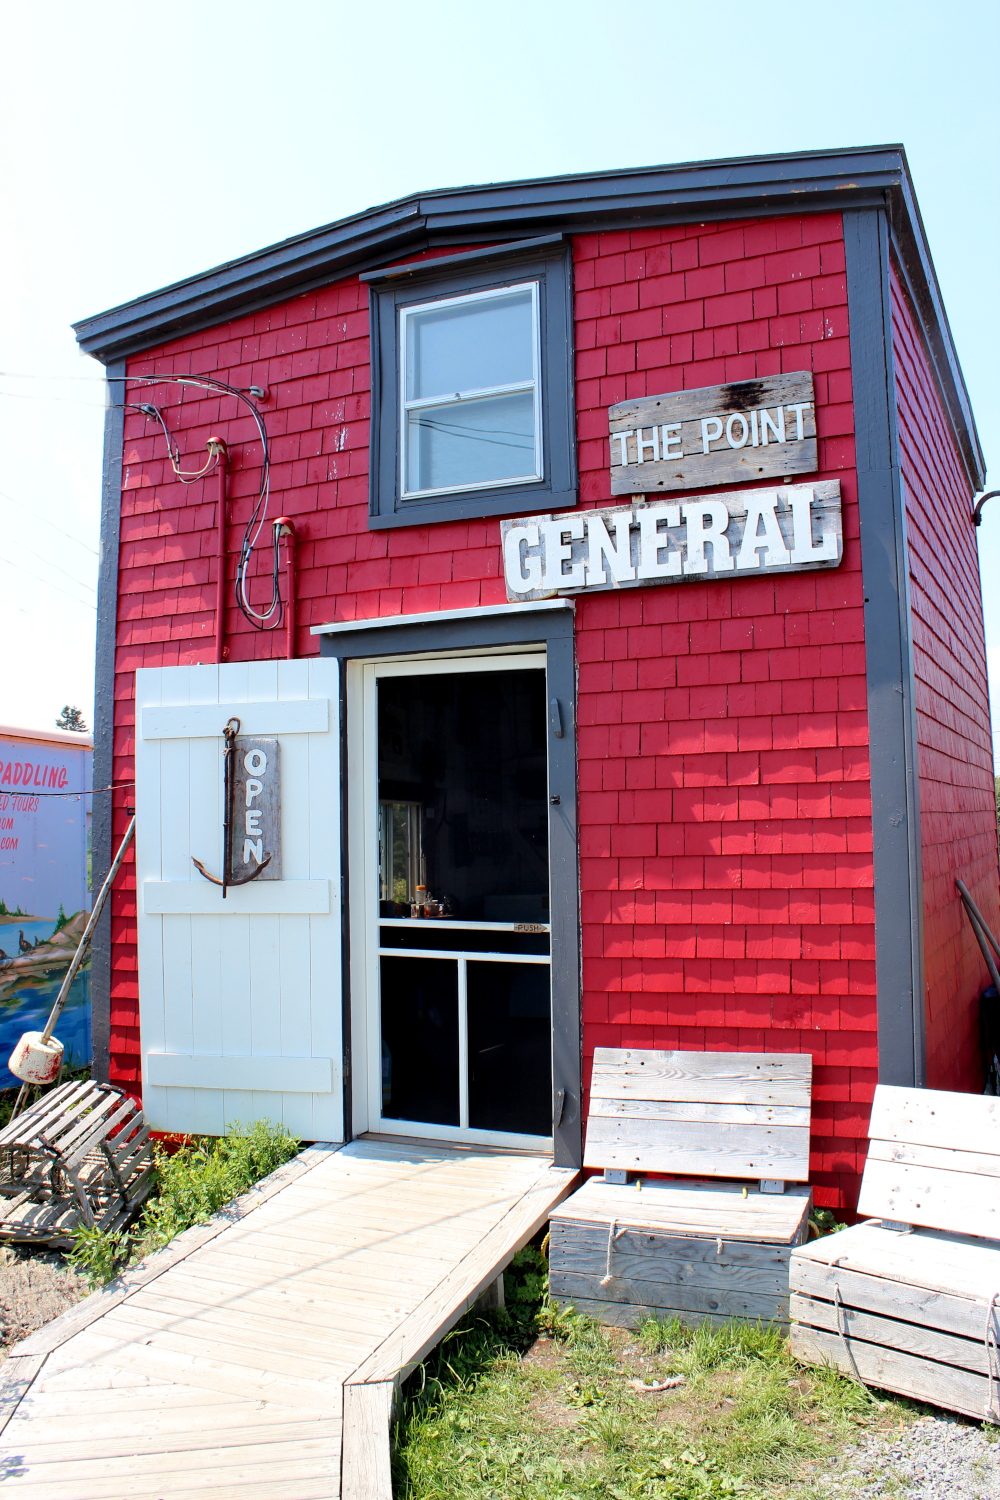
(36, 1059)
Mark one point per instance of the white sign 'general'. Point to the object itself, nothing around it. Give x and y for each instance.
(739, 535)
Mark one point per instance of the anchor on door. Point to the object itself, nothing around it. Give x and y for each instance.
(251, 810)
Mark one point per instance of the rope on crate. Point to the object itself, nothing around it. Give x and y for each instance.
(992, 1409)
(614, 1233)
(838, 1303)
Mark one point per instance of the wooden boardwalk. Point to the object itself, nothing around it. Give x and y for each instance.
(256, 1356)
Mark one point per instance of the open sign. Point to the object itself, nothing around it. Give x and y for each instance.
(256, 812)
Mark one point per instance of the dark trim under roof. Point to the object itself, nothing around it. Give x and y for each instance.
(813, 181)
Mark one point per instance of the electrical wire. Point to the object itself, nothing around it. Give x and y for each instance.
(93, 550)
(271, 617)
(48, 583)
(71, 576)
(89, 791)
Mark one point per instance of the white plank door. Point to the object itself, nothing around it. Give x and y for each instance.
(239, 1000)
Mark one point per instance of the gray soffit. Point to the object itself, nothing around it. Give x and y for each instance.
(814, 181)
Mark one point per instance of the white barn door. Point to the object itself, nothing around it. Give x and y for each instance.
(239, 999)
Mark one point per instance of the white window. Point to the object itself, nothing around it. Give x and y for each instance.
(470, 393)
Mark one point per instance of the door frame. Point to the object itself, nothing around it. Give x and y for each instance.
(479, 633)
(363, 677)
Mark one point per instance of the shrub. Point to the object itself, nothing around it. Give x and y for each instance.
(192, 1183)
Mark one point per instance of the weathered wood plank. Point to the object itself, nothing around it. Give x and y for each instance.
(95, 1306)
(630, 1315)
(943, 1158)
(728, 1302)
(465, 1281)
(721, 1077)
(958, 1315)
(698, 1111)
(694, 1209)
(931, 1198)
(581, 1238)
(936, 1117)
(162, 1476)
(16, 1375)
(892, 1370)
(200, 1440)
(702, 456)
(720, 1150)
(366, 1471)
(931, 1258)
(892, 1333)
(638, 1256)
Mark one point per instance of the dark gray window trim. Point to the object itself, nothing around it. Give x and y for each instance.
(101, 827)
(552, 266)
(899, 957)
(555, 631)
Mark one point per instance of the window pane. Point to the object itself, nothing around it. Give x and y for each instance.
(510, 1073)
(471, 442)
(468, 749)
(420, 1040)
(469, 346)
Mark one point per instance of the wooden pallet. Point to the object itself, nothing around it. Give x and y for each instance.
(910, 1301)
(80, 1155)
(702, 1250)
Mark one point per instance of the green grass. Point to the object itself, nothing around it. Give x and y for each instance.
(479, 1421)
(192, 1183)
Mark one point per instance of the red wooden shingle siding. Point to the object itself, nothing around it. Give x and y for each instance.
(724, 797)
(958, 818)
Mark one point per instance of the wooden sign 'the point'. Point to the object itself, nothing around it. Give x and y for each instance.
(722, 434)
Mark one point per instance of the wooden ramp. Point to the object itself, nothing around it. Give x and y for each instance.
(256, 1356)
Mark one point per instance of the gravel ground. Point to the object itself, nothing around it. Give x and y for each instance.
(35, 1287)
(937, 1458)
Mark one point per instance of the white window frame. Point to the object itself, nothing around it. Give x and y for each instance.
(455, 398)
(366, 924)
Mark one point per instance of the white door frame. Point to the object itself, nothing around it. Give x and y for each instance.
(362, 758)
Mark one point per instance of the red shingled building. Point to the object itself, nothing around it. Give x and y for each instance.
(727, 815)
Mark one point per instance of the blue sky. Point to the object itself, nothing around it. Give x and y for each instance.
(143, 144)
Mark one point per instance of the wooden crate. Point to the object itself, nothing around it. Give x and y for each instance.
(909, 1301)
(698, 1249)
(694, 1251)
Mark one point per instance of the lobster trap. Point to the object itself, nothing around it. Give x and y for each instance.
(81, 1155)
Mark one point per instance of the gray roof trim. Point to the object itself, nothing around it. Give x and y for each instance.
(813, 181)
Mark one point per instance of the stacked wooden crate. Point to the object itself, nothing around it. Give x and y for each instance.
(910, 1301)
(622, 1251)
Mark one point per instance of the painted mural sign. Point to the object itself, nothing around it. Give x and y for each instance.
(44, 896)
(743, 534)
(721, 434)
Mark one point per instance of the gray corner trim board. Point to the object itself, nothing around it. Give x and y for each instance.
(899, 968)
(101, 827)
(554, 630)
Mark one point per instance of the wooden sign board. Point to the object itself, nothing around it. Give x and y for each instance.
(256, 808)
(742, 534)
(752, 429)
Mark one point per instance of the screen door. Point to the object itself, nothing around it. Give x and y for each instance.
(455, 865)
